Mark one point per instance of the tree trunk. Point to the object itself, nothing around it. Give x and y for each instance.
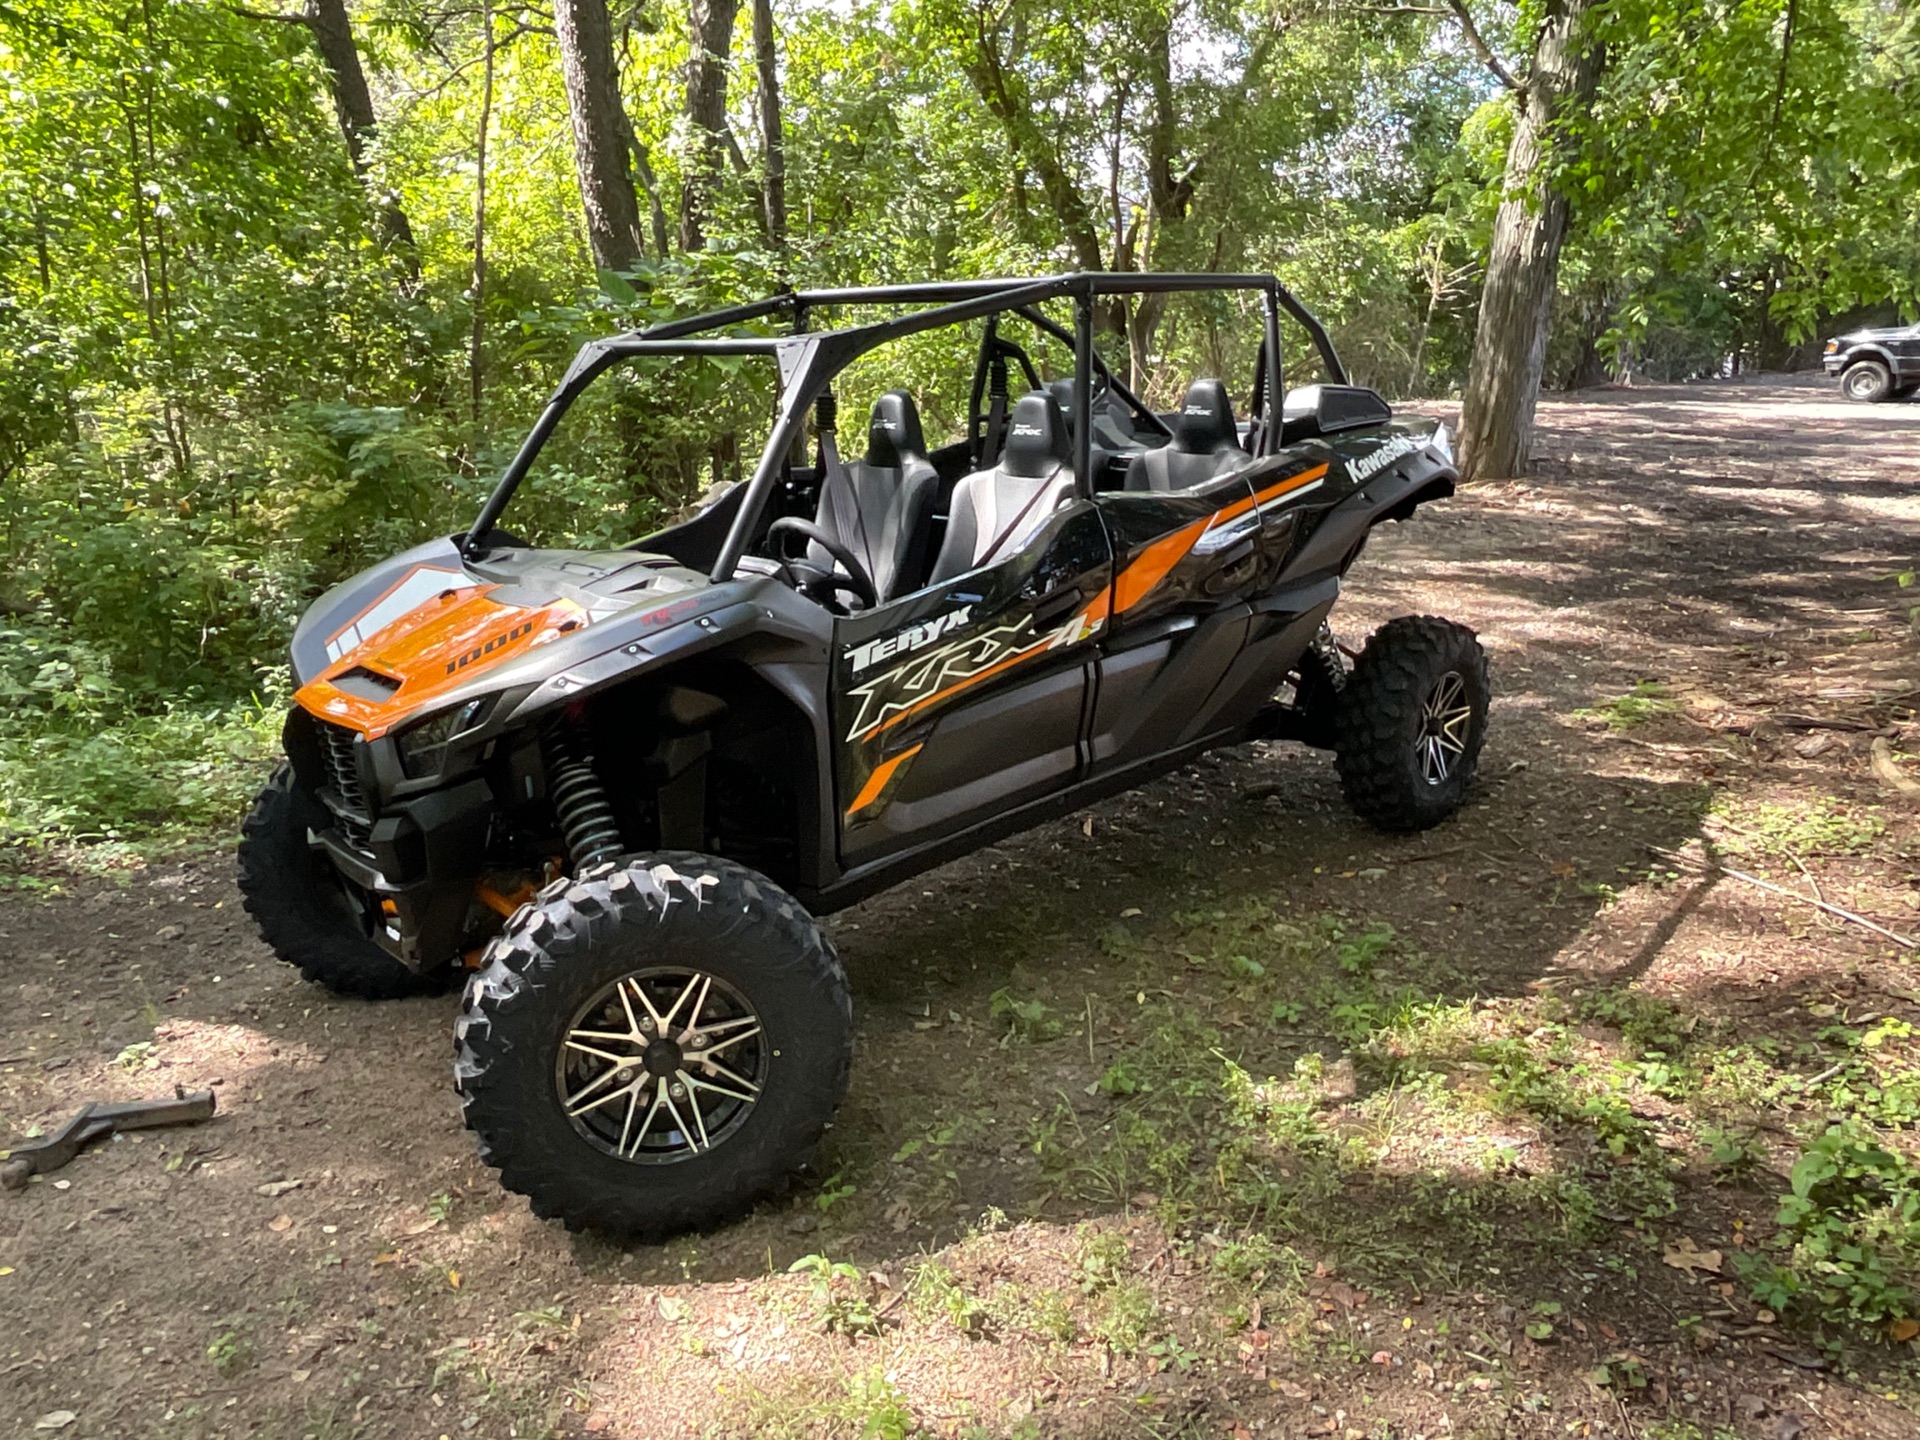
(476, 353)
(1510, 344)
(712, 23)
(773, 145)
(599, 132)
(332, 35)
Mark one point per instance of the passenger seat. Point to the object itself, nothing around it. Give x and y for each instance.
(994, 512)
(1205, 444)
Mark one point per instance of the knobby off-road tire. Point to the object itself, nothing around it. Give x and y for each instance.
(607, 952)
(303, 914)
(1867, 380)
(1413, 715)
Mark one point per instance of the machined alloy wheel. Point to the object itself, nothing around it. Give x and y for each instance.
(662, 1065)
(1446, 722)
(1413, 715)
(655, 1046)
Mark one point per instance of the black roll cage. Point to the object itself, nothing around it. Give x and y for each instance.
(808, 360)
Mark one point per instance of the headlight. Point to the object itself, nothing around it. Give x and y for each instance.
(1832, 345)
(423, 745)
(1443, 442)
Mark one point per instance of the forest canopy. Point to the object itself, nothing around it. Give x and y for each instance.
(281, 288)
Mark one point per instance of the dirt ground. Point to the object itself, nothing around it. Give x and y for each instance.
(328, 1258)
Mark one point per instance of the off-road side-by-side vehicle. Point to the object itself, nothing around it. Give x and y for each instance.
(614, 786)
(1878, 364)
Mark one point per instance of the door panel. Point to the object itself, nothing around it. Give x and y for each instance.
(968, 697)
(1190, 564)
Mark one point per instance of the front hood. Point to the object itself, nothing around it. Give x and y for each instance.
(427, 629)
(1880, 332)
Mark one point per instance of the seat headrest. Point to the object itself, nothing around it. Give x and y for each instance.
(894, 431)
(1205, 422)
(1037, 443)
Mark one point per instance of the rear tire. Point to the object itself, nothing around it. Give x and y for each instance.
(635, 1134)
(1413, 716)
(1867, 380)
(296, 899)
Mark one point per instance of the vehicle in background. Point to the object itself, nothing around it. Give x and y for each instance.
(1876, 364)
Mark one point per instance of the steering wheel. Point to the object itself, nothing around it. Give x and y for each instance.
(856, 580)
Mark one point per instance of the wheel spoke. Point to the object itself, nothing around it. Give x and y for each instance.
(574, 1107)
(705, 983)
(731, 1078)
(633, 1022)
(615, 1036)
(699, 1084)
(693, 1104)
(641, 995)
(717, 1046)
(666, 1020)
(614, 1060)
(625, 1151)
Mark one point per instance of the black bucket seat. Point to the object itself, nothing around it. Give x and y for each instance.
(881, 507)
(1205, 444)
(995, 511)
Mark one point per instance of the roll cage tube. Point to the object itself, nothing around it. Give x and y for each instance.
(808, 362)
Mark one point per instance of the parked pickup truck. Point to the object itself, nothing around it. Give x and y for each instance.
(1882, 364)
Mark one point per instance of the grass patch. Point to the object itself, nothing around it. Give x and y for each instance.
(1647, 699)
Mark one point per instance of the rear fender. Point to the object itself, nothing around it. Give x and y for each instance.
(1392, 495)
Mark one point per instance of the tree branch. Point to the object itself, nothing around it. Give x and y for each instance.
(246, 14)
(1482, 49)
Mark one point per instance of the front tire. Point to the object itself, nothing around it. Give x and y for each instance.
(1413, 716)
(653, 1048)
(304, 914)
(1867, 380)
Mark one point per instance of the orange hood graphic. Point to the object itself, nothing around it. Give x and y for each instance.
(430, 652)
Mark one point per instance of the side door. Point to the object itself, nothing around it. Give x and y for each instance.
(968, 698)
(1185, 565)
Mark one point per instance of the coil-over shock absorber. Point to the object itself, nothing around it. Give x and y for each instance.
(580, 801)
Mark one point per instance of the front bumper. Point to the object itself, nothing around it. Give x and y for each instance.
(415, 857)
(418, 870)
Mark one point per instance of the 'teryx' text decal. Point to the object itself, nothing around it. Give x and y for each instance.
(913, 638)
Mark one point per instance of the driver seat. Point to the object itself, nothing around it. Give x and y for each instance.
(1205, 444)
(881, 507)
(994, 512)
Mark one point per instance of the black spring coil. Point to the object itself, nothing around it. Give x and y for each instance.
(580, 802)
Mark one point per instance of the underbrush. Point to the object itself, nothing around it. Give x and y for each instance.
(99, 794)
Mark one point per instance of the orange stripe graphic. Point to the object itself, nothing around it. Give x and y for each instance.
(1154, 563)
(958, 686)
(877, 781)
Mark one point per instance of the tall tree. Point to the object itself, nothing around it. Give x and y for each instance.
(711, 43)
(600, 132)
(1523, 261)
(773, 145)
(332, 31)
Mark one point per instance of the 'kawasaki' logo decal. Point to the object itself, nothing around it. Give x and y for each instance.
(1369, 465)
(911, 639)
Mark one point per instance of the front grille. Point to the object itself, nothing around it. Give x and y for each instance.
(343, 774)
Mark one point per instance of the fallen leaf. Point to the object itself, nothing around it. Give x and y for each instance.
(1130, 912)
(422, 1226)
(387, 1257)
(280, 1224)
(670, 1307)
(63, 1184)
(1086, 828)
(1608, 1331)
(6, 1269)
(453, 1278)
(299, 1377)
(1901, 1330)
(274, 1189)
(55, 1420)
(1683, 1254)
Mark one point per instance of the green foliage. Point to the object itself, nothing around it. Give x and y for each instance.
(1850, 1230)
(841, 1296)
(1647, 699)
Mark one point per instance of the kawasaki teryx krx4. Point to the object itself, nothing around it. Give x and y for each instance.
(612, 786)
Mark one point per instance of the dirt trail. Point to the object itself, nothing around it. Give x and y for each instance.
(328, 1258)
